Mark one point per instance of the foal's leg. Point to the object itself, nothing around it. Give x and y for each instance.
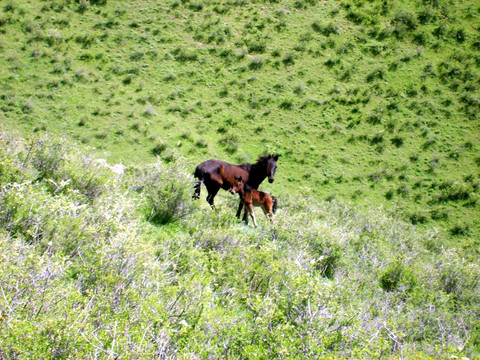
(267, 209)
(270, 216)
(250, 210)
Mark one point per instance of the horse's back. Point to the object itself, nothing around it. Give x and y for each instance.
(208, 167)
(214, 169)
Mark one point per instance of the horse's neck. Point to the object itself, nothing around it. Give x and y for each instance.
(257, 175)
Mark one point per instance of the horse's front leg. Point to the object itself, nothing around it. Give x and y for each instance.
(245, 215)
(211, 196)
(239, 211)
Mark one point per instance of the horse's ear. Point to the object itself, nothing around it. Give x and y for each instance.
(276, 157)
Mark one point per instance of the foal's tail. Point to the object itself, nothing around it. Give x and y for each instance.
(200, 175)
(275, 204)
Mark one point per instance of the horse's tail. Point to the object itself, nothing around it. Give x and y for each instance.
(200, 175)
(275, 204)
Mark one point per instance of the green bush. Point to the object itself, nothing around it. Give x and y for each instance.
(397, 276)
(168, 193)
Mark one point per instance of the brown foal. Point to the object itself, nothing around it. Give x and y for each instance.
(251, 197)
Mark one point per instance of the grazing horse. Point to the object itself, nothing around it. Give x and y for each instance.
(216, 174)
(251, 197)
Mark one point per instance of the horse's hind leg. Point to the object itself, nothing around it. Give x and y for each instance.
(197, 185)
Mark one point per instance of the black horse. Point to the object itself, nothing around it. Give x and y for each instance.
(216, 174)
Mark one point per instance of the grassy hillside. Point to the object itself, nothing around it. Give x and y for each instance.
(97, 264)
(368, 101)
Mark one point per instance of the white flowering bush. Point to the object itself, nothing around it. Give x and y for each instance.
(85, 276)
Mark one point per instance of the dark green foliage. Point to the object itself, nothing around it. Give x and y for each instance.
(328, 258)
(184, 54)
(397, 276)
(454, 192)
(397, 141)
(256, 63)
(377, 74)
(327, 29)
(159, 148)
(460, 229)
(404, 21)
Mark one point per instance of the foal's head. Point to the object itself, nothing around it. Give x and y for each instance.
(237, 185)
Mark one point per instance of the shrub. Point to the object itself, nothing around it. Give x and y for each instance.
(288, 59)
(159, 148)
(406, 19)
(375, 74)
(28, 106)
(418, 217)
(47, 157)
(54, 37)
(184, 54)
(256, 45)
(397, 276)
(374, 119)
(256, 63)
(389, 194)
(459, 35)
(326, 30)
(326, 257)
(230, 142)
(376, 139)
(460, 229)
(168, 193)
(397, 141)
(286, 104)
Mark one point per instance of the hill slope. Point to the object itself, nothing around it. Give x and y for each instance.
(99, 264)
(368, 101)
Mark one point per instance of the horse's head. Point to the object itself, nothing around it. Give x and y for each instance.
(237, 185)
(271, 167)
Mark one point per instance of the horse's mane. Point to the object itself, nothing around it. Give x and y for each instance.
(263, 158)
(260, 161)
(246, 166)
